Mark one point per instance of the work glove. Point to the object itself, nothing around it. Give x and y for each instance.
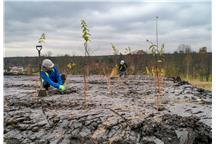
(61, 88)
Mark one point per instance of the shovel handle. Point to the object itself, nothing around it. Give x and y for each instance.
(39, 48)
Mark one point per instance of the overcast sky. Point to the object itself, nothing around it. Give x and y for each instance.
(125, 24)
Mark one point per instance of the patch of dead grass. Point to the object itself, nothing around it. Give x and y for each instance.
(201, 84)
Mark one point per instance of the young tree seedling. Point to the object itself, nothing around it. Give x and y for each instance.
(158, 55)
(86, 38)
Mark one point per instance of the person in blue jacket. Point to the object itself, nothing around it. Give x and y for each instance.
(50, 75)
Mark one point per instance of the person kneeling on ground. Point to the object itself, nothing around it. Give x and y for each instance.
(50, 76)
(122, 68)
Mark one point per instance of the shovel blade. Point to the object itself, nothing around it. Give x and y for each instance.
(42, 93)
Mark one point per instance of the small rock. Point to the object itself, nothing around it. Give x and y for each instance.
(35, 129)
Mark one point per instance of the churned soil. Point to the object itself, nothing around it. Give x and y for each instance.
(118, 111)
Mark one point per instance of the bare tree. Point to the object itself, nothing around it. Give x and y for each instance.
(204, 63)
(188, 60)
(184, 48)
(203, 50)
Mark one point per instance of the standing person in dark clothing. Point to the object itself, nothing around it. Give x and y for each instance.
(122, 68)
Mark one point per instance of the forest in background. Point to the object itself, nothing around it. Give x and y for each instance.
(190, 65)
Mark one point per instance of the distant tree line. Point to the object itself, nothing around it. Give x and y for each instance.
(183, 63)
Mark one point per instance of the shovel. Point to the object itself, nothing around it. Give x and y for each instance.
(41, 92)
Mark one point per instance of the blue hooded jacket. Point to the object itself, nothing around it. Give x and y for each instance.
(51, 76)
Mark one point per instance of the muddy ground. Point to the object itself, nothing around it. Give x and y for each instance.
(120, 113)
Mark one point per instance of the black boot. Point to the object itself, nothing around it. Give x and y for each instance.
(46, 85)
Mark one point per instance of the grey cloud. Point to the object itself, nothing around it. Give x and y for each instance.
(124, 23)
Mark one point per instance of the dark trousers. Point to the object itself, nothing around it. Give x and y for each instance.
(46, 85)
(122, 73)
